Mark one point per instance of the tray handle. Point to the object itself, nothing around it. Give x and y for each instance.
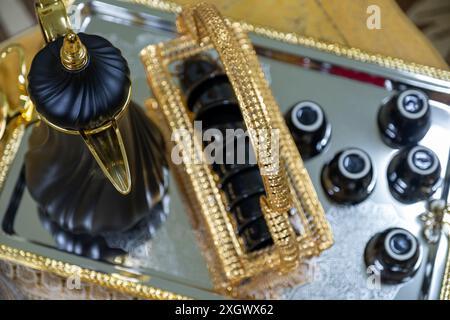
(205, 24)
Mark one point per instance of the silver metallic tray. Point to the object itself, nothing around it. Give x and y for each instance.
(171, 264)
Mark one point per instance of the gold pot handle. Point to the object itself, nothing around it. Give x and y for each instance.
(204, 24)
(107, 147)
(53, 19)
(105, 143)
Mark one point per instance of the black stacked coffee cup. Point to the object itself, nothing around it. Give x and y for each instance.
(211, 98)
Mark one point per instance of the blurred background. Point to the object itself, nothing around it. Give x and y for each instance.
(431, 17)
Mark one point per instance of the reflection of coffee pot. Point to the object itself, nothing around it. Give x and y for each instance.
(95, 162)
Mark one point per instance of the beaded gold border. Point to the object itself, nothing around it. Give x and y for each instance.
(290, 183)
(66, 270)
(309, 42)
(445, 288)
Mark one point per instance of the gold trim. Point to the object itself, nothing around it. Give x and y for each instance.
(208, 196)
(309, 42)
(21, 77)
(52, 18)
(110, 281)
(4, 108)
(25, 107)
(102, 127)
(10, 141)
(233, 270)
(9, 145)
(73, 53)
(113, 160)
(445, 289)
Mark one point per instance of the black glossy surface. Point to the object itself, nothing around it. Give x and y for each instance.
(65, 180)
(309, 127)
(109, 245)
(349, 177)
(81, 99)
(242, 184)
(395, 253)
(413, 174)
(405, 118)
(105, 247)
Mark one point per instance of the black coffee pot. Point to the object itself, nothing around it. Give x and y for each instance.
(95, 162)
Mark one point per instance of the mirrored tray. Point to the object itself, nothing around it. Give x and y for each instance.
(170, 263)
